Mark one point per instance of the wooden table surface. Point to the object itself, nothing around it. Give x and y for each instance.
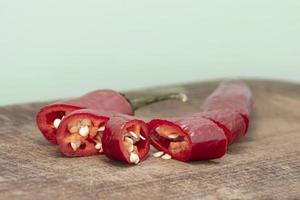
(263, 165)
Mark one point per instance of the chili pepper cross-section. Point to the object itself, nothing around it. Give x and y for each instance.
(126, 139)
(49, 117)
(188, 138)
(80, 133)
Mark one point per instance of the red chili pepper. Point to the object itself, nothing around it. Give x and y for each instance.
(80, 132)
(230, 121)
(50, 116)
(205, 135)
(188, 138)
(234, 95)
(126, 139)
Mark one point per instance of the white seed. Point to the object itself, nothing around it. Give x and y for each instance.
(129, 140)
(133, 134)
(183, 97)
(142, 137)
(63, 117)
(75, 145)
(134, 158)
(137, 161)
(102, 128)
(73, 129)
(84, 131)
(86, 122)
(56, 122)
(166, 157)
(173, 136)
(157, 129)
(98, 146)
(158, 154)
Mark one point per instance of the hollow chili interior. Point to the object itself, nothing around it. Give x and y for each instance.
(80, 134)
(134, 141)
(49, 118)
(171, 139)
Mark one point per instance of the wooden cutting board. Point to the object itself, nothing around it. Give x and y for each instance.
(263, 165)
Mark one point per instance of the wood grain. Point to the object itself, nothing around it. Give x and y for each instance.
(263, 165)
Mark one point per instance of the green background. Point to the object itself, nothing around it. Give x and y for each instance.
(63, 48)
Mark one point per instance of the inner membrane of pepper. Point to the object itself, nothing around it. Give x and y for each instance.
(134, 141)
(85, 134)
(170, 140)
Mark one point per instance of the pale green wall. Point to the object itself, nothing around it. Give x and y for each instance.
(63, 48)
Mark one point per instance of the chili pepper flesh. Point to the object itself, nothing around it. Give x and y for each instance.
(230, 121)
(234, 95)
(171, 140)
(80, 133)
(188, 138)
(126, 139)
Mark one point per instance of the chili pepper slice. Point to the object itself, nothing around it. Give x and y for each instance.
(126, 139)
(188, 138)
(234, 95)
(80, 132)
(230, 121)
(50, 116)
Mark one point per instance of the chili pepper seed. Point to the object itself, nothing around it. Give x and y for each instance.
(142, 137)
(56, 122)
(173, 136)
(158, 154)
(75, 145)
(84, 131)
(102, 128)
(183, 97)
(166, 157)
(134, 158)
(98, 146)
(134, 134)
(157, 129)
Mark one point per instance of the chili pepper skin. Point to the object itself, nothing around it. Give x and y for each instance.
(98, 100)
(200, 138)
(88, 143)
(230, 121)
(234, 95)
(117, 128)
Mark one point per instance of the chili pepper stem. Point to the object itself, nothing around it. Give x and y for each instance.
(143, 101)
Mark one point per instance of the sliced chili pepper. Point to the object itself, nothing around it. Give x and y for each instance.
(126, 139)
(230, 121)
(80, 132)
(188, 138)
(234, 95)
(50, 116)
(205, 135)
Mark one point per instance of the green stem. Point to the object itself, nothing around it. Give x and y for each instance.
(140, 102)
